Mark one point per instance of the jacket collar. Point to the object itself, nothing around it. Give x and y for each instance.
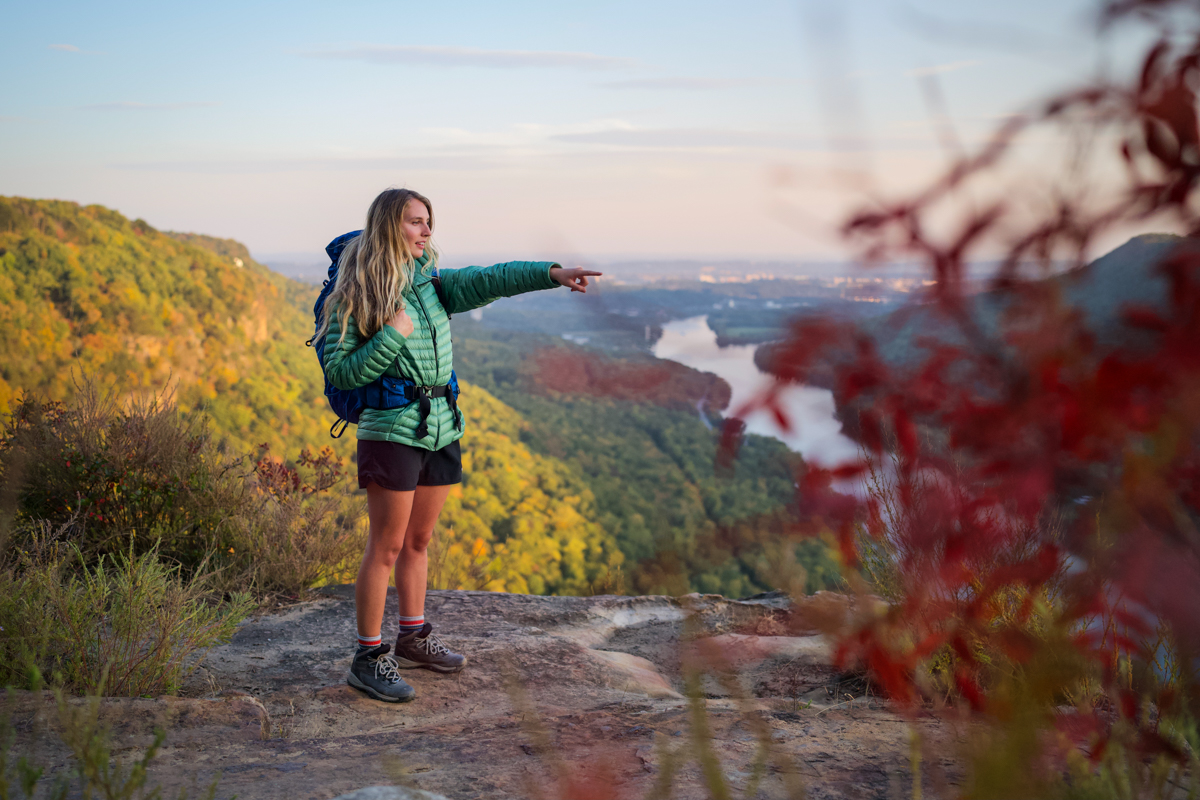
(426, 265)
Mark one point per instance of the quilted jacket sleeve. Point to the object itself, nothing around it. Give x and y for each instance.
(355, 362)
(475, 287)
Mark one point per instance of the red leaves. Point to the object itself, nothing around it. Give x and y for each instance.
(1181, 271)
(1030, 573)
(808, 342)
(1037, 482)
(1018, 645)
(870, 431)
(1166, 101)
(906, 434)
(970, 689)
(849, 471)
(275, 477)
(1011, 423)
(817, 501)
(1145, 318)
(863, 374)
(771, 403)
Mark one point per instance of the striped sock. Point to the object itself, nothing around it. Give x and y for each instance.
(411, 624)
(368, 642)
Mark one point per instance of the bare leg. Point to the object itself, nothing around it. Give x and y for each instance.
(389, 513)
(412, 568)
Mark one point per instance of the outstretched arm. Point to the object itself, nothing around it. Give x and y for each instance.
(475, 287)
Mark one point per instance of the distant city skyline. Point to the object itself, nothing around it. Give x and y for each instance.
(586, 131)
(312, 268)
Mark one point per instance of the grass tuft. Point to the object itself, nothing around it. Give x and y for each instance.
(130, 617)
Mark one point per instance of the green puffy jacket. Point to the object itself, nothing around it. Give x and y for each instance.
(426, 356)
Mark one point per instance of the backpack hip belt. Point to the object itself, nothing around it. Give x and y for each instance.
(389, 392)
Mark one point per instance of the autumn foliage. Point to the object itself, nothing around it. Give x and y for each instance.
(1040, 479)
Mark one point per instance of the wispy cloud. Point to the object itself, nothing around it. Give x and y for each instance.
(938, 69)
(718, 139)
(309, 164)
(70, 48)
(692, 84)
(691, 138)
(471, 57)
(129, 105)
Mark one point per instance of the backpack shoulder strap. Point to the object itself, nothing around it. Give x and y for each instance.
(441, 293)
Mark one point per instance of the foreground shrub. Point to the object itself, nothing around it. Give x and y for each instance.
(126, 622)
(141, 477)
(295, 533)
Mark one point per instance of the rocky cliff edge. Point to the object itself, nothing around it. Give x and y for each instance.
(589, 690)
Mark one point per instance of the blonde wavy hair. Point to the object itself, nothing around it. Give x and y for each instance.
(375, 268)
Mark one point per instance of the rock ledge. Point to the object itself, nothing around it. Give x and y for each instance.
(590, 685)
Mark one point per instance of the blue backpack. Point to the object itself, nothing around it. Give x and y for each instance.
(386, 391)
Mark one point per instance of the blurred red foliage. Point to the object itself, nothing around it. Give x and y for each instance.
(1031, 462)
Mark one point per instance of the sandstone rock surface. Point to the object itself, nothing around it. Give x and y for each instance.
(390, 793)
(586, 690)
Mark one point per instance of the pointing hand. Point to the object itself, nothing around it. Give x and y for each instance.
(576, 279)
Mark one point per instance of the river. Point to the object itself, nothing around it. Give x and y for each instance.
(815, 433)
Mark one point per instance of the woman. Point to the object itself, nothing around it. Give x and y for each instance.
(385, 318)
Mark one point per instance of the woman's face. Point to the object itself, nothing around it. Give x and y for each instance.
(415, 227)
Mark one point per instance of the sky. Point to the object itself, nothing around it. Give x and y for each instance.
(582, 130)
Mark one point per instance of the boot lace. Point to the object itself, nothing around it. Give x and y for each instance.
(387, 669)
(432, 645)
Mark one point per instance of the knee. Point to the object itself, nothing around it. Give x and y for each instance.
(384, 552)
(418, 541)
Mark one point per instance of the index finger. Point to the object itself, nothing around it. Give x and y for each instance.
(579, 271)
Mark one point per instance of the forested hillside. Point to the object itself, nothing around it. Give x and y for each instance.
(583, 472)
(85, 290)
(520, 522)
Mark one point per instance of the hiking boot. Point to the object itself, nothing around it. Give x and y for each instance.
(423, 649)
(374, 672)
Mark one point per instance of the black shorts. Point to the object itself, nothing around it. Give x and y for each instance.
(402, 468)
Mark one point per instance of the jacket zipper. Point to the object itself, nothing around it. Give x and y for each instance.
(437, 361)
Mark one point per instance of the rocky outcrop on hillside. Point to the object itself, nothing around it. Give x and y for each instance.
(589, 690)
